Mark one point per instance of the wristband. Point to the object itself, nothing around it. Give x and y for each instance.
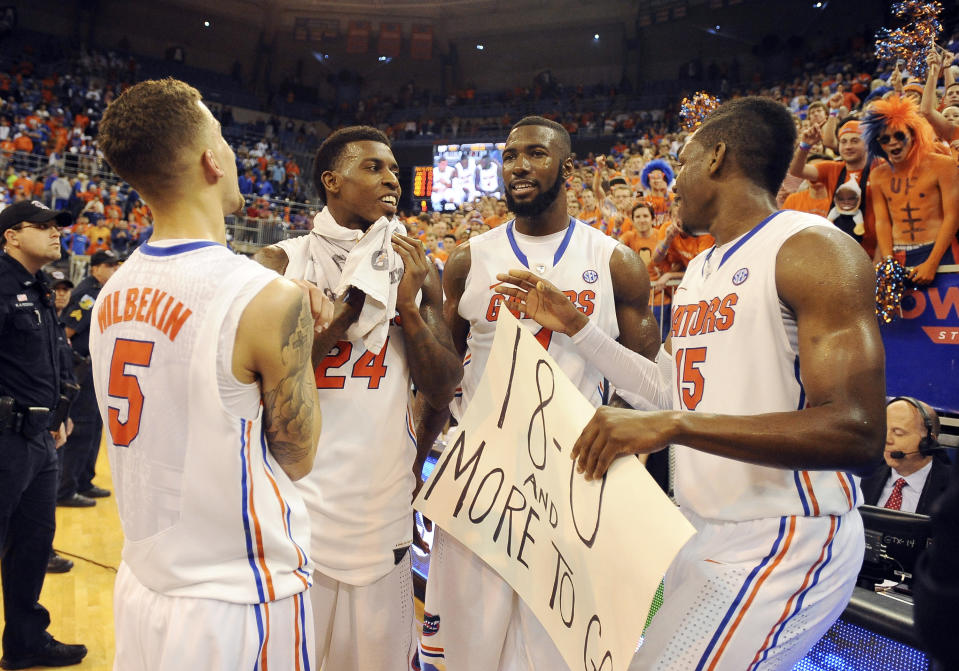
(805, 146)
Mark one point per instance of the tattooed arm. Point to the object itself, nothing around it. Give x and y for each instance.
(279, 360)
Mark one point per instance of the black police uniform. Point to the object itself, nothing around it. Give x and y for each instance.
(78, 457)
(32, 379)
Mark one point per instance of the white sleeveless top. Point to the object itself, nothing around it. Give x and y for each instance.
(575, 260)
(206, 510)
(735, 345)
(359, 492)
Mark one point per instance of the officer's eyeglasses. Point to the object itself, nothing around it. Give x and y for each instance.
(41, 226)
(898, 136)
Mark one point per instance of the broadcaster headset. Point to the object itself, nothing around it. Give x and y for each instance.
(928, 444)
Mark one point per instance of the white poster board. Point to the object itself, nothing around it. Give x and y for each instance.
(586, 557)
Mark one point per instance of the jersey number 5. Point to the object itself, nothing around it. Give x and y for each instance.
(124, 385)
(689, 379)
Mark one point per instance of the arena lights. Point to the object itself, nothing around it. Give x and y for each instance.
(480, 47)
(207, 24)
(595, 37)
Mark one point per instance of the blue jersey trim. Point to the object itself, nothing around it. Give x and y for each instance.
(559, 250)
(742, 241)
(154, 250)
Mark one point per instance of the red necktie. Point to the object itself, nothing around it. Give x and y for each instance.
(895, 499)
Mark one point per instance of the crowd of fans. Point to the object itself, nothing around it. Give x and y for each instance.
(48, 152)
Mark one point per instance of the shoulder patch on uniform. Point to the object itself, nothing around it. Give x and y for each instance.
(86, 302)
(76, 315)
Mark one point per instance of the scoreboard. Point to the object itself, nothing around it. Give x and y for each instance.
(422, 181)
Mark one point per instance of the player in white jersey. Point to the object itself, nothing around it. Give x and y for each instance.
(489, 177)
(464, 181)
(774, 373)
(359, 492)
(210, 416)
(473, 619)
(443, 175)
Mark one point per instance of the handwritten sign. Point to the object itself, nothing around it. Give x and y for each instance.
(586, 557)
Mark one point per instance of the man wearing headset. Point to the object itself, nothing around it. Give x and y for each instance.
(911, 479)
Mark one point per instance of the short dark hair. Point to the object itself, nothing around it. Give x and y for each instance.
(643, 204)
(760, 137)
(144, 131)
(566, 143)
(329, 153)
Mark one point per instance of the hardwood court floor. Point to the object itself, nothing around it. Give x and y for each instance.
(81, 601)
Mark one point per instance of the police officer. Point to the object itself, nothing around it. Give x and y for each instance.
(32, 400)
(78, 457)
(62, 287)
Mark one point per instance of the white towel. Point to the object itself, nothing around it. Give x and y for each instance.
(348, 257)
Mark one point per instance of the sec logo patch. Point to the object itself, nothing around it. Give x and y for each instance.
(590, 276)
(740, 276)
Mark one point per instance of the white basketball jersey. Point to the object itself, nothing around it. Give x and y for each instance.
(206, 510)
(442, 179)
(359, 492)
(465, 175)
(489, 177)
(577, 263)
(735, 345)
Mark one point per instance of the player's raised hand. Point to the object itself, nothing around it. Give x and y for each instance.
(415, 264)
(614, 432)
(541, 301)
(321, 307)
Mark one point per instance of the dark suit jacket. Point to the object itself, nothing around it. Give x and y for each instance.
(935, 485)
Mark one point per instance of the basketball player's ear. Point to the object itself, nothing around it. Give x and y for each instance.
(568, 167)
(718, 158)
(211, 167)
(331, 181)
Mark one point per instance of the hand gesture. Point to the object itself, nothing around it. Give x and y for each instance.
(321, 307)
(933, 60)
(924, 273)
(600, 162)
(948, 58)
(810, 133)
(415, 268)
(836, 99)
(542, 302)
(613, 432)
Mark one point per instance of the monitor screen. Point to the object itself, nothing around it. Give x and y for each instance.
(464, 172)
(894, 541)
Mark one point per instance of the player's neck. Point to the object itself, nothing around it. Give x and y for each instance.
(347, 219)
(739, 208)
(193, 219)
(552, 220)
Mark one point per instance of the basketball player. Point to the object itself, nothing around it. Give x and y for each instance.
(489, 177)
(210, 415)
(368, 460)
(473, 620)
(442, 193)
(774, 373)
(464, 180)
